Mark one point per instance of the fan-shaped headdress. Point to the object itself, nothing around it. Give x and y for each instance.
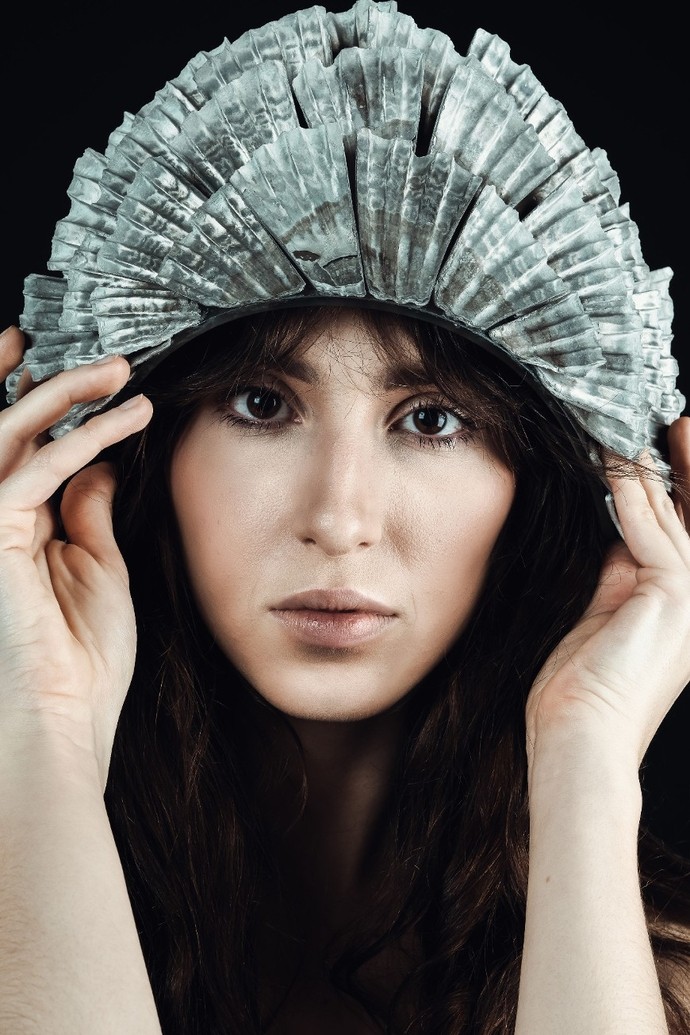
(358, 157)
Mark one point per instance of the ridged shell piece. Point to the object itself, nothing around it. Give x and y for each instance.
(619, 334)
(228, 259)
(562, 348)
(97, 192)
(380, 90)
(379, 25)
(591, 172)
(130, 319)
(150, 135)
(615, 420)
(371, 26)
(576, 245)
(409, 207)
(77, 314)
(43, 301)
(495, 270)
(43, 306)
(300, 190)
(519, 80)
(607, 174)
(584, 257)
(156, 212)
(252, 110)
(480, 123)
(160, 119)
(121, 131)
(153, 130)
(292, 39)
(653, 302)
(624, 235)
(121, 319)
(553, 337)
(353, 27)
(92, 214)
(572, 156)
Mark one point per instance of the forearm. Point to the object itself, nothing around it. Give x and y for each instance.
(587, 967)
(70, 957)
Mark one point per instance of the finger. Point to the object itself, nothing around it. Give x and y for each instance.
(87, 514)
(26, 383)
(41, 476)
(663, 507)
(11, 350)
(647, 541)
(679, 457)
(659, 509)
(49, 401)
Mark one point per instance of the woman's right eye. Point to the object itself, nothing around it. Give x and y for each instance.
(256, 405)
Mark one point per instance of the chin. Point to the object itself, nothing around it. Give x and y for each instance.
(347, 705)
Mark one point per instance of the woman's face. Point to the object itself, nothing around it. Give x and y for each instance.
(337, 517)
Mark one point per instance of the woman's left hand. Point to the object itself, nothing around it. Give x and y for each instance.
(620, 669)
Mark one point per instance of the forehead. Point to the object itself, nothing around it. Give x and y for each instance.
(349, 346)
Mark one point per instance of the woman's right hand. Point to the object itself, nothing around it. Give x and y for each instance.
(67, 626)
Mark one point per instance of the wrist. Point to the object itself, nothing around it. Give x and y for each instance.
(579, 764)
(33, 746)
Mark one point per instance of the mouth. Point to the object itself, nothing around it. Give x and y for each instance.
(334, 618)
(347, 601)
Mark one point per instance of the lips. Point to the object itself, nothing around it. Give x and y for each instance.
(338, 619)
(333, 600)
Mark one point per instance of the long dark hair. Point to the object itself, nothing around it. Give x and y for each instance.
(186, 772)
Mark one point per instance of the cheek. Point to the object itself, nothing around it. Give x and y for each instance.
(455, 548)
(229, 505)
(217, 519)
(480, 514)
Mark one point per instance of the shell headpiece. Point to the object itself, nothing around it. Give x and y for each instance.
(357, 156)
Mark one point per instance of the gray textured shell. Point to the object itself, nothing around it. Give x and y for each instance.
(356, 155)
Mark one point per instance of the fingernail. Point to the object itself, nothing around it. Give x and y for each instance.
(8, 330)
(131, 403)
(104, 360)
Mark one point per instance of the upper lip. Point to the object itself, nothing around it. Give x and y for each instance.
(332, 600)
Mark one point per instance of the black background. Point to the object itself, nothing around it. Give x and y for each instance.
(70, 73)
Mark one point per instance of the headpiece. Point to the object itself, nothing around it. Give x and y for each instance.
(357, 157)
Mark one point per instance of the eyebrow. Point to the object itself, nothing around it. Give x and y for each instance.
(395, 375)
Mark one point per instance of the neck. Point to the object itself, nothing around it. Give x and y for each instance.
(349, 768)
(327, 850)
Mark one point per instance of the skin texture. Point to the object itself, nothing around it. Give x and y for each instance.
(342, 495)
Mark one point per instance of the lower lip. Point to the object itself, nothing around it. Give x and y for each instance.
(335, 628)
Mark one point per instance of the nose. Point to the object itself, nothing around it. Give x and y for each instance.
(342, 494)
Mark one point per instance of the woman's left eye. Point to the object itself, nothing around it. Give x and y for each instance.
(432, 423)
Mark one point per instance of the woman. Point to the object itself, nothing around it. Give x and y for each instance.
(324, 822)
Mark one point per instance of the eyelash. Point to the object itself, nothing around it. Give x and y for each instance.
(465, 434)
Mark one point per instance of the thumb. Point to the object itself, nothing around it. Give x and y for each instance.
(87, 514)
